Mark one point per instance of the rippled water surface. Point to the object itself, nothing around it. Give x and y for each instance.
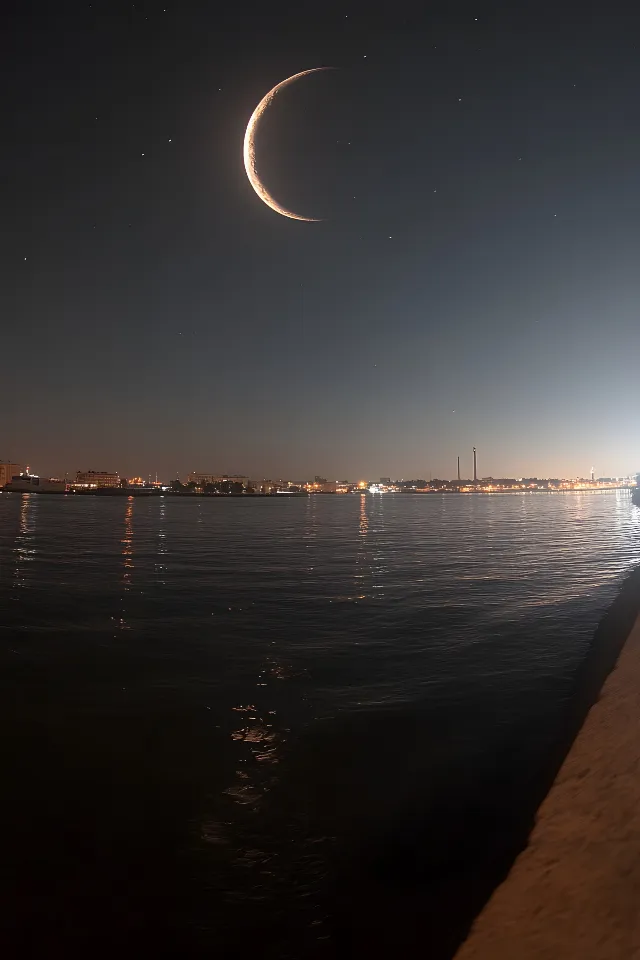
(221, 718)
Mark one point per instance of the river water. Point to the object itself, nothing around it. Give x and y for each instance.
(239, 724)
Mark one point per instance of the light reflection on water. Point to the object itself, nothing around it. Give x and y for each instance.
(127, 544)
(127, 561)
(25, 543)
(285, 581)
(160, 565)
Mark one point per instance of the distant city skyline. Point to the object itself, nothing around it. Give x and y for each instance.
(340, 475)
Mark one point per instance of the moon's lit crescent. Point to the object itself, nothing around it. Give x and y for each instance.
(249, 150)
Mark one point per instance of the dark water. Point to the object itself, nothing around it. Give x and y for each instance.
(281, 727)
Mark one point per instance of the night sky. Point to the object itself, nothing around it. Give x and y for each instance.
(475, 279)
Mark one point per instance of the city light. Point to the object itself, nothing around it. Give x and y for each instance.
(14, 478)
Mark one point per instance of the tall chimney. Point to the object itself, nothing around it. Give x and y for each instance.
(458, 469)
(475, 466)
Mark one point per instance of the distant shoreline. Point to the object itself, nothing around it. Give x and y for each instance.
(132, 492)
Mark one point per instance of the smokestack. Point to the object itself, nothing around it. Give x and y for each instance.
(475, 466)
(458, 469)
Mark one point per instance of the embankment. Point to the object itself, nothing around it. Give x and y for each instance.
(574, 892)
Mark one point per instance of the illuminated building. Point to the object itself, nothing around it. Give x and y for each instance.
(322, 486)
(202, 479)
(7, 471)
(93, 479)
(140, 482)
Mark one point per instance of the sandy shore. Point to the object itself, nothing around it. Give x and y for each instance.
(574, 892)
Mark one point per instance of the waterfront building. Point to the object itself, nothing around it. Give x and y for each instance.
(94, 479)
(8, 471)
(322, 486)
(202, 479)
(141, 482)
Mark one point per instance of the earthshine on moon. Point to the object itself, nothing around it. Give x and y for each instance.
(249, 151)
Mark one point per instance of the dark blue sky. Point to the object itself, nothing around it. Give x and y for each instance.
(476, 280)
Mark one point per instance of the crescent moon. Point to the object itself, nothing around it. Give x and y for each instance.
(249, 150)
